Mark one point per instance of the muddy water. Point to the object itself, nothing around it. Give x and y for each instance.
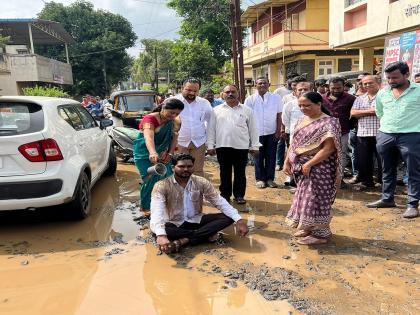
(106, 264)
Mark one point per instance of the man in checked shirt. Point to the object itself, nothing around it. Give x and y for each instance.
(368, 124)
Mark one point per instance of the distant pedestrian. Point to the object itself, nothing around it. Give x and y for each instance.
(267, 108)
(417, 78)
(321, 86)
(368, 125)
(290, 116)
(314, 160)
(209, 95)
(85, 101)
(195, 118)
(339, 104)
(232, 134)
(397, 107)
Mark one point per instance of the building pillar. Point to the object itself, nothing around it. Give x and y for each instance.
(366, 57)
(30, 38)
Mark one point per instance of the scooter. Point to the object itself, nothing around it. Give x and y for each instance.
(122, 141)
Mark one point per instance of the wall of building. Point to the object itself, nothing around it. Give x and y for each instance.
(382, 18)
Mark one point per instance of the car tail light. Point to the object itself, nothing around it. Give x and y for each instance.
(41, 151)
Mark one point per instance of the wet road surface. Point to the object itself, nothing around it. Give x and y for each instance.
(107, 263)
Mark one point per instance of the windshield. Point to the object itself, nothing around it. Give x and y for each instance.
(135, 103)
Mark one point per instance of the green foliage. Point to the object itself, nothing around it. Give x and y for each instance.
(220, 80)
(4, 40)
(193, 59)
(51, 91)
(93, 31)
(206, 20)
(143, 69)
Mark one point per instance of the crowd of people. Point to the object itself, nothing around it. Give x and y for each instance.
(99, 108)
(315, 132)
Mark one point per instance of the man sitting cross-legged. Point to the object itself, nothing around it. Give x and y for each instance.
(177, 204)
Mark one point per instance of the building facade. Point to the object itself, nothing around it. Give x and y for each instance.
(364, 24)
(293, 36)
(20, 66)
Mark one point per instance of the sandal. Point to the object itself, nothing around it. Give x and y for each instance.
(311, 240)
(302, 233)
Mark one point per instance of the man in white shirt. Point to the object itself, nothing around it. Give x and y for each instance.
(195, 117)
(267, 108)
(177, 205)
(232, 133)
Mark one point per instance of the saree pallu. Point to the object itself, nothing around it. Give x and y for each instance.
(162, 140)
(315, 193)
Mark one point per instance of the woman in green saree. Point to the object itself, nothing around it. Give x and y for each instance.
(156, 143)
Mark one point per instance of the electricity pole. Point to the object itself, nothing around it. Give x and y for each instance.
(234, 50)
(156, 72)
(237, 49)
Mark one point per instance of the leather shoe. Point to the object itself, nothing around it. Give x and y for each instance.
(411, 213)
(381, 204)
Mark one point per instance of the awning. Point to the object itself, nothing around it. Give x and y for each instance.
(44, 32)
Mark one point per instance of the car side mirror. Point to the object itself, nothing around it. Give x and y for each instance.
(104, 123)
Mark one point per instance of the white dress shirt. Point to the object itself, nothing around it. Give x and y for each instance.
(288, 98)
(233, 127)
(159, 213)
(265, 111)
(290, 116)
(194, 119)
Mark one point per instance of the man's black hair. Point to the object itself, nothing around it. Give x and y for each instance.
(262, 78)
(399, 65)
(320, 82)
(182, 157)
(292, 75)
(192, 80)
(299, 79)
(348, 84)
(337, 80)
(208, 91)
(417, 75)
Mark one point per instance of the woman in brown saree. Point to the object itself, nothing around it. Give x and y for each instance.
(313, 160)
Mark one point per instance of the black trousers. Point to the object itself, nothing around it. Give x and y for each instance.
(366, 153)
(237, 159)
(198, 233)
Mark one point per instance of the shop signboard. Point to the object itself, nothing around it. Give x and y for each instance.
(403, 47)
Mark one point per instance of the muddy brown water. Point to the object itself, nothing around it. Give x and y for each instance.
(106, 265)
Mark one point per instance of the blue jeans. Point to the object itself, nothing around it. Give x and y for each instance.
(281, 147)
(388, 146)
(265, 163)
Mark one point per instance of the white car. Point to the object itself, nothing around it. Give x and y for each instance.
(52, 152)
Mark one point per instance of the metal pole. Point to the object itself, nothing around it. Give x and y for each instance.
(104, 72)
(234, 46)
(30, 38)
(156, 72)
(67, 53)
(240, 50)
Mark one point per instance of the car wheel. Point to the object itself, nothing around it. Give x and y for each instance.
(80, 206)
(112, 163)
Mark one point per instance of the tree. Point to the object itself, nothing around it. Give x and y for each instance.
(206, 20)
(4, 40)
(101, 39)
(143, 69)
(193, 59)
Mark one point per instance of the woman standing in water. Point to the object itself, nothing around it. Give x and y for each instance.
(156, 143)
(313, 159)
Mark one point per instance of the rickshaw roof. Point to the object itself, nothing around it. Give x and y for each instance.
(129, 92)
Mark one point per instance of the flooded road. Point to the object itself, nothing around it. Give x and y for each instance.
(107, 263)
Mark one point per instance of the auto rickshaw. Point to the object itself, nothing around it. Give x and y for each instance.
(129, 107)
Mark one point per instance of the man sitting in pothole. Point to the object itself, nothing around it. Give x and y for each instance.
(177, 204)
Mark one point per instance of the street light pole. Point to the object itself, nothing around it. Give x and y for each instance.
(156, 72)
(240, 50)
